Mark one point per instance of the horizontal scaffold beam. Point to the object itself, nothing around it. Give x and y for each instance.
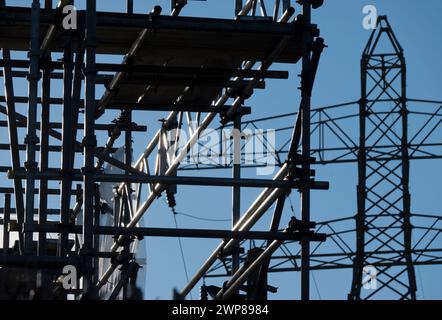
(55, 174)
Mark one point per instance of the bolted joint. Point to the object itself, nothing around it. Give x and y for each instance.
(234, 250)
(319, 46)
(122, 241)
(46, 63)
(314, 3)
(296, 225)
(225, 118)
(305, 230)
(114, 133)
(10, 174)
(67, 172)
(31, 166)
(31, 139)
(88, 170)
(98, 112)
(89, 141)
(156, 11)
(298, 159)
(170, 124)
(89, 71)
(65, 227)
(179, 4)
(301, 174)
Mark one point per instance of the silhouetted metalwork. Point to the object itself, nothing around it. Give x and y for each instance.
(393, 130)
(89, 200)
(84, 197)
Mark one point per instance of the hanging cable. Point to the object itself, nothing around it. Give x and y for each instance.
(201, 218)
(196, 217)
(419, 276)
(182, 251)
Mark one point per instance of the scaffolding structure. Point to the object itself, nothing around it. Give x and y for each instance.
(190, 67)
(56, 198)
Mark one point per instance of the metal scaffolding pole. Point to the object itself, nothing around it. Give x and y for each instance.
(31, 139)
(6, 221)
(67, 148)
(44, 155)
(236, 190)
(89, 143)
(13, 141)
(305, 143)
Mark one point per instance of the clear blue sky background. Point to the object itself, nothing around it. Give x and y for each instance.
(419, 29)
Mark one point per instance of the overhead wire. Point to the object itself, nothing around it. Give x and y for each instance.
(182, 252)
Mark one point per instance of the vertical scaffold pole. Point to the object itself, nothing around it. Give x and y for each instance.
(31, 139)
(236, 191)
(89, 143)
(305, 190)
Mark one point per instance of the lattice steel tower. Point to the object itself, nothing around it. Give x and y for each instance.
(383, 214)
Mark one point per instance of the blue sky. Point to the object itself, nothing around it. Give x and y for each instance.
(418, 27)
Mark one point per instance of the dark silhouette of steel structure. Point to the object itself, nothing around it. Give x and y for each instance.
(192, 68)
(393, 130)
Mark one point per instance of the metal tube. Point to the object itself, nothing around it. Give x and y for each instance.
(128, 193)
(13, 140)
(76, 94)
(184, 233)
(52, 30)
(407, 225)
(52, 174)
(6, 220)
(89, 144)
(31, 139)
(276, 10)
(67, 148)
(246, 9)
(130, 6)
(305, 191)
(236, 190)
(44, 157)
(274, 226)
(35, 262)
(238, 6)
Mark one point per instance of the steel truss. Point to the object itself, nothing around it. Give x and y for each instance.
(393, 129)
(192, 90)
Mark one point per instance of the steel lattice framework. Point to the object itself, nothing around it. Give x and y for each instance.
(393, 130)
(74, 179)
(213, 61)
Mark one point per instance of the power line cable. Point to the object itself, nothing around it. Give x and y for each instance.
(181, 250)
(201, 218)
